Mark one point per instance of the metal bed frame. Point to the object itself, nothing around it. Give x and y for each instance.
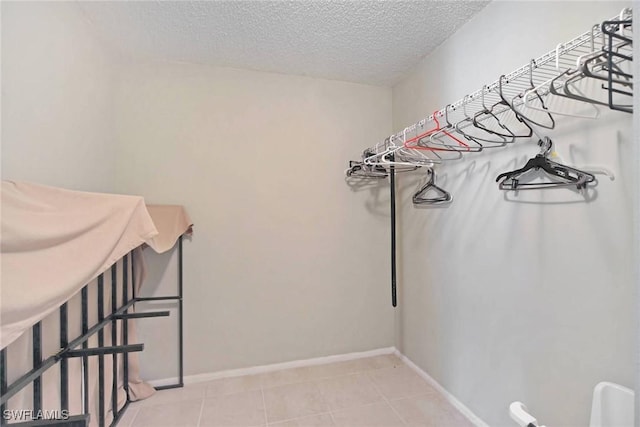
(68, 349)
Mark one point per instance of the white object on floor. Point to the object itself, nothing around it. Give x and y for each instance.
(519, 414)
(612, 406)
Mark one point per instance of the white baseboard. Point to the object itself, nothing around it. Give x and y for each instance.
(193, 379)
(477, 421)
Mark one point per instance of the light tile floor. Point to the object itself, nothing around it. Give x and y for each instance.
(374, 391)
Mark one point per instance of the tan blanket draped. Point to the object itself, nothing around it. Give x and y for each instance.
(172, 221)
(55, 241)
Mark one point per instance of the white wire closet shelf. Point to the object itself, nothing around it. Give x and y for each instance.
(522, 91)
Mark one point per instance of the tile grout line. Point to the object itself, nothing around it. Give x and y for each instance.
(134, 418)
(299, 418)
(410, 396)
(387, 401)
(366, 372)
(264, 405)
(204, 394)
(333, 421)
(330, 412)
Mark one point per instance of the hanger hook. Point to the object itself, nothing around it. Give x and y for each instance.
(435, 119)
(431, 176)
(546, 145)
(594, 29)
(446, 115)
(500, 90)
(624, 12)
(560, 46)
(532, 64)
(484, 87)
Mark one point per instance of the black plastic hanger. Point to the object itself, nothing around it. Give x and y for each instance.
(614, 30)
(420, 199)
(480, 115)
(481, 140)
(552, 122)
(602, 60)
(361, 170)
(565, 175)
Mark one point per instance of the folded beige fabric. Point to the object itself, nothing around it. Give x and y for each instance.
(55, 241)
(138, 389)
(172, 221)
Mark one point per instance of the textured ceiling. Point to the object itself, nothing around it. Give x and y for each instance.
(374, 42)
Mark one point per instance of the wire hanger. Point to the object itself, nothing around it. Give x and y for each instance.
(419, 141)
(487, 113)
(414, 141)
(544, 109)
(420, 198)
(549, 84)
(434, 137)
(562, 175)
(467, 122)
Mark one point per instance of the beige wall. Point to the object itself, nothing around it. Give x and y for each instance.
(56, 99)
(525, 297)
(287, 261)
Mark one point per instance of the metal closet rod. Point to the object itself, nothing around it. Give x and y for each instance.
(550, 56)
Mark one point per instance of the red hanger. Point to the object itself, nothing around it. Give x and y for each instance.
(407, 143)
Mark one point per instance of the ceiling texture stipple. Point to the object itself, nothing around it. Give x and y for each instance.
(372, 42)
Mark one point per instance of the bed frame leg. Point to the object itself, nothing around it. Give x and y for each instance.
(3, 381)
(64, 366)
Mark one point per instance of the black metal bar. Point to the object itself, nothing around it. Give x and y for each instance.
(27, 379)
(169, 386)
(100, 357)
(85, 344)
(141, 315)
(52, 360)
(37, 360)
(166, 298)
(68, 349)
(116, 419)
(30, 376)
(392, 181)
(114, 340)
(98, 327)
(101, 351)
(180, 338)
(133, 275)
(64, 364)
(125, 328)
(3, 381)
